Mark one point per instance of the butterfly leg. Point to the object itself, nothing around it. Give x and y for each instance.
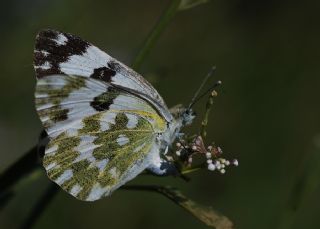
(162, 167)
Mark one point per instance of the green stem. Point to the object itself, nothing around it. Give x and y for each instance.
(205, 120)
(191, 170)
(155, 33)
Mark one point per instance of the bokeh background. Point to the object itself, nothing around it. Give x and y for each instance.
(267, 113)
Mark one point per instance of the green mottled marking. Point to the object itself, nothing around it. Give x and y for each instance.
(91, 124)
(64, 156)
(123, 157)
(120, 157)
(84, 175)
(55, 97)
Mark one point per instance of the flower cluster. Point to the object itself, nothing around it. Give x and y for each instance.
(212, 154)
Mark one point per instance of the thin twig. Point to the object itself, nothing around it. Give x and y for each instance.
(191, 170)
(205, 214)
(155, 33)
(21, 168)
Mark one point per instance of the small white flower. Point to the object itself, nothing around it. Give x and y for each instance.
(178, 153)
(235, 162)
(211, 167)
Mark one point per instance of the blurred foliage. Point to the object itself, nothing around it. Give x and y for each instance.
(205, 214)
(188, 4)
(267, 115)
(304, 186)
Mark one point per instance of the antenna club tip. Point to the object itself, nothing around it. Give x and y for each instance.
(219, 82)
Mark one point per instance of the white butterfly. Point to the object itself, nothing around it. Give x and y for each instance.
(105, 122)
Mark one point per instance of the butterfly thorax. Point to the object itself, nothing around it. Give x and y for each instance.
(182, 118)
(160, 164)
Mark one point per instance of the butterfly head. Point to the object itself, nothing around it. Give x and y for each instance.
(183, 115)
(187, 116)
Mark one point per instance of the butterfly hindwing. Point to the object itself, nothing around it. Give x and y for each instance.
(94, 163)
(100, 136)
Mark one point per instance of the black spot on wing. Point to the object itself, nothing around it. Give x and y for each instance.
(61, 115)
(103, 101)
(115, 66)
(103, 73)
(48, 52)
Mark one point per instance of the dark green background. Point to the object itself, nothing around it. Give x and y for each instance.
(267, 113)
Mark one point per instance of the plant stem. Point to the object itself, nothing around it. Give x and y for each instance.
(205, 120)
(191, 170)
(21, 168)
(155, 33)
(205, 214)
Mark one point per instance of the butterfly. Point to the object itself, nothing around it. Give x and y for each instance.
(105, 123)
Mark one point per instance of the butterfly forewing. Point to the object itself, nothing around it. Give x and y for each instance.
(63, 53)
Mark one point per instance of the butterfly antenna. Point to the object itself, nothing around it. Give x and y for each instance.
(218, 83)
(195, 99)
